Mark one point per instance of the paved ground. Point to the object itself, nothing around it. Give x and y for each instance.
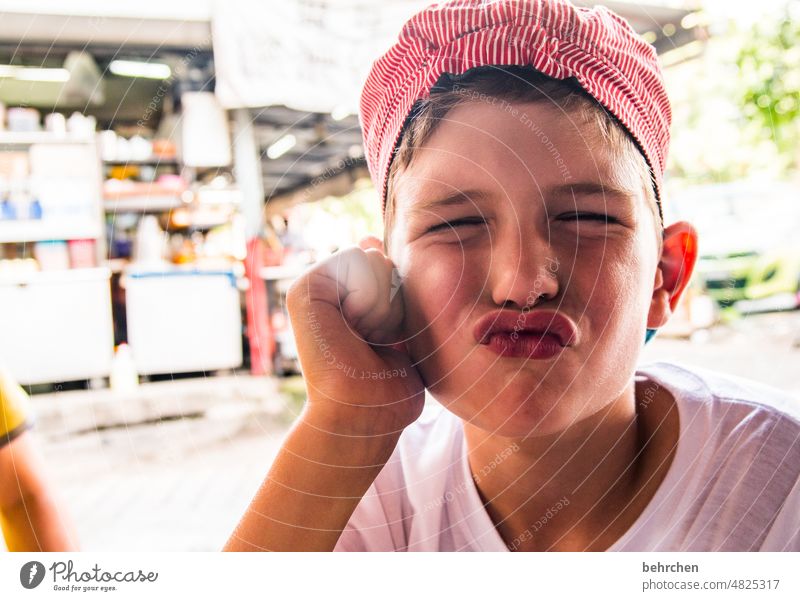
(173, 465)
(135, 483)
(179, 494)
(763, 347)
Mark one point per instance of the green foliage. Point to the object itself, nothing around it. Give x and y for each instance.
(769, 67)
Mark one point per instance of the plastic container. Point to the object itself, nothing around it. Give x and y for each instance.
(56, 123)
(82, 253)
(35, 210)
(51, 255)
(150, 242)
(8, 211)
(123, 370)
(23, 119)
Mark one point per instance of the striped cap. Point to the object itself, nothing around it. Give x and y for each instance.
(595, 46)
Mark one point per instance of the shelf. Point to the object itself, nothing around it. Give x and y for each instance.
(152, 161)
(142, 204)
(171, 270)
(36, 231)
(26, 138)
(201, 267)
(114, 189)
(218, 196)
(55, 276)
(198, 225)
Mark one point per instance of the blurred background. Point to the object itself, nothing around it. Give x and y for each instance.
(163, 178)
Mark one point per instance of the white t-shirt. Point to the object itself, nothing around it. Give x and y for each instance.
(733, 485)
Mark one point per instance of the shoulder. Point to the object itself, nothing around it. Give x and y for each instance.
(723, 395)
(733, 425)
(733, 429)
(736, 470)
(15, 415)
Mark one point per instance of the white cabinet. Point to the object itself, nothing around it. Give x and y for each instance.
(183, 321)
(56, 326)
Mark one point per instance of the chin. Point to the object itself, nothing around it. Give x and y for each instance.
(515, 414)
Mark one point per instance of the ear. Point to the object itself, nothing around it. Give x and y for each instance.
(371, 242)
(675, 268)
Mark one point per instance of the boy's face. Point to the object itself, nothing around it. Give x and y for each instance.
(520, 178)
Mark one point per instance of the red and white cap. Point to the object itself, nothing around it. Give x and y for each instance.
(595, 46)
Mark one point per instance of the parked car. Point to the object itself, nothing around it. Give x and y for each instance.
(749, 240)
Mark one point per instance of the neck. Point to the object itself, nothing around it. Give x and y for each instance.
(578, 489)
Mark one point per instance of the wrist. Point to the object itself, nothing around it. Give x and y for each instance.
(350, 434)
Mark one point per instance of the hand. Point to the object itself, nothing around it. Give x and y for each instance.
(348, 326)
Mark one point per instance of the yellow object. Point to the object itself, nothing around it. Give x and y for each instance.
(14, 419)
(14, 408)
(124, 172)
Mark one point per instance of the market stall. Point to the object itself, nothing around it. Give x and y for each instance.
(122, 240)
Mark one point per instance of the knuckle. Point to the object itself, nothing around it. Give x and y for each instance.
(293, 293)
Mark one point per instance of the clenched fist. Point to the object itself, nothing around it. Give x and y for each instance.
(347, 318)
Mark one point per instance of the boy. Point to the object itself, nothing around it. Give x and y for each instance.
(29, 516)
(519, 148)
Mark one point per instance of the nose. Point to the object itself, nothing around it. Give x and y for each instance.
(524, 269)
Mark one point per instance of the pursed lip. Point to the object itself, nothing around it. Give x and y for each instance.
(540, 322)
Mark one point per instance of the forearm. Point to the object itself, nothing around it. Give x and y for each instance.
(29, 514)
(34, 524)
(311, 490)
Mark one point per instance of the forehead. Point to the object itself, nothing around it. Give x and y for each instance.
(525, 148)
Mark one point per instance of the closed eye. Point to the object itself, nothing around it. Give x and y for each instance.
(600, 217)
(456, 223)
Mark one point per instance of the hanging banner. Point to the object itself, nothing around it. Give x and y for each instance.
(311, 55)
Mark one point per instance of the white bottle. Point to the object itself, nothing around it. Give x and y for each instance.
(123, 370)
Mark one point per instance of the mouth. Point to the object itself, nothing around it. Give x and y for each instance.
(533, 335)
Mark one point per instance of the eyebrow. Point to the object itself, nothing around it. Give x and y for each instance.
(586, 188)
(456, 198)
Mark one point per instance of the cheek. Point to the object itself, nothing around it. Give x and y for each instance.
(439, 289)
(606, 299)
(610, 273)
(619, 304)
